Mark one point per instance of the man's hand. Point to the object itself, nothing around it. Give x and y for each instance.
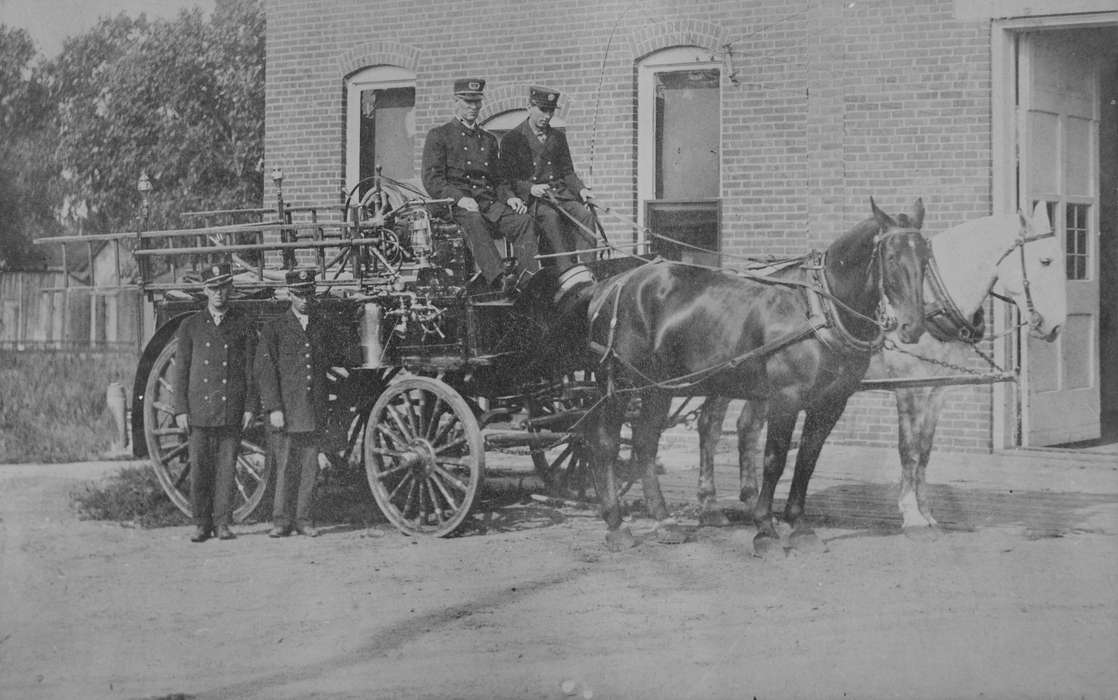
(275, 418)
(586, 194)
(468, 203)
(540, 190)
(183, 421)
(517, 205)
(246, 419)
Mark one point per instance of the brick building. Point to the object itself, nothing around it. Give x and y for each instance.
(754, 126)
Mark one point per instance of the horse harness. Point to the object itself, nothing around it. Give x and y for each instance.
(823, 321)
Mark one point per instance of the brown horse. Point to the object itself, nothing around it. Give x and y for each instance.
(801, 343)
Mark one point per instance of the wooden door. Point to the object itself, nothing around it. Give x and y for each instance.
(1059, 120)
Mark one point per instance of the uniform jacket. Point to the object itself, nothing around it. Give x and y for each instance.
(291, 369)
(526, 161)
(461, 162)
(213, 369)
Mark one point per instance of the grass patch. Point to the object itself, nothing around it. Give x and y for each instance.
(52, 404)
(132, 496)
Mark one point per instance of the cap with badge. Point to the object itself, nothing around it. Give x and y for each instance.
(300, 280)
(217, 274)
(544, 98)
(469, 88)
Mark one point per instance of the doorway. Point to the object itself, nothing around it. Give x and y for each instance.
(1056, 141)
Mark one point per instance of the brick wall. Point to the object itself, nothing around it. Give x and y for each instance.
(833, 102)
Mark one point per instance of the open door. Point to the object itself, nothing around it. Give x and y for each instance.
(1058, 114)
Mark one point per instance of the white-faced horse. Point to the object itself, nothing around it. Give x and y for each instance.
(1021, 258)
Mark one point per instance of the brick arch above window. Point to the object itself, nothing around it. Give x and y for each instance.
(511, 98)
(649, 37)
(501, 99)
(378, 53)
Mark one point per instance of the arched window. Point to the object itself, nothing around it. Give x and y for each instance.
(380, 125)
(501, 124)
(679, 134)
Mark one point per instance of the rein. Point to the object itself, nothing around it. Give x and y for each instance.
(821, 290)
(824, 323)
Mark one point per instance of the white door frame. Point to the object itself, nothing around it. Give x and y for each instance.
(1008, 398)
(373, 78)
(676, 58)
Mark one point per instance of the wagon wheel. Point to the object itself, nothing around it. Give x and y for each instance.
(424, 456)
(564, 466)
(167, 445)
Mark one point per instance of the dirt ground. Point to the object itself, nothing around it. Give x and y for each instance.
(1019, 599)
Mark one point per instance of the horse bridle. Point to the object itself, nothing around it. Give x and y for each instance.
(885, 320)
(1035, 317)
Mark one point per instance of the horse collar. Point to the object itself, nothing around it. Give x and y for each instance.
(824, 316)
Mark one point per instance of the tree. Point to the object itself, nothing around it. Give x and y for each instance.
(24, 208)
(181, 101)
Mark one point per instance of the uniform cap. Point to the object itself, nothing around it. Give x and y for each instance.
(544, 98)
(300, 279)
(469, 88)
(217, 274)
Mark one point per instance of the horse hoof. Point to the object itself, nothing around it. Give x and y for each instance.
(766, 546)
(922, 533)
(713, 518)
(620, 540)
(670, 534)
(807, 542)
(748, 496)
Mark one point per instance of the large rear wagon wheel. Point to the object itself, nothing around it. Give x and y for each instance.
(424, 456)
(167, 445)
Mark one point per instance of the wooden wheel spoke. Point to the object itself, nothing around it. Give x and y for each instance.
(455, 443)
(249, 446)
(415, 494)
(434, 500)
(174, 454)
(390, 435)
(406, 430)
(452, 479)
(438, 410)
(408, 478)
(568, 448)
(408, 407)
(438, 480)
(160, 432)
(385, 452)
(248, 466)
(445, 429)
(166, 385)
(163, 407)
(393, 471)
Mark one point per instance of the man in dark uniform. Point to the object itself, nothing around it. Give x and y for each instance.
(214, 399)
(461, 163)
(537, 165)
(291, 365)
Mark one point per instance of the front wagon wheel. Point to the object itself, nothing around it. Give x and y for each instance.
(167, 445)
(424, 456)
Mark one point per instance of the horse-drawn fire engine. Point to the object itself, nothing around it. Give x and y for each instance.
(436, 375)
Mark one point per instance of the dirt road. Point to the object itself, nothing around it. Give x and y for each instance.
(1018, 600)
